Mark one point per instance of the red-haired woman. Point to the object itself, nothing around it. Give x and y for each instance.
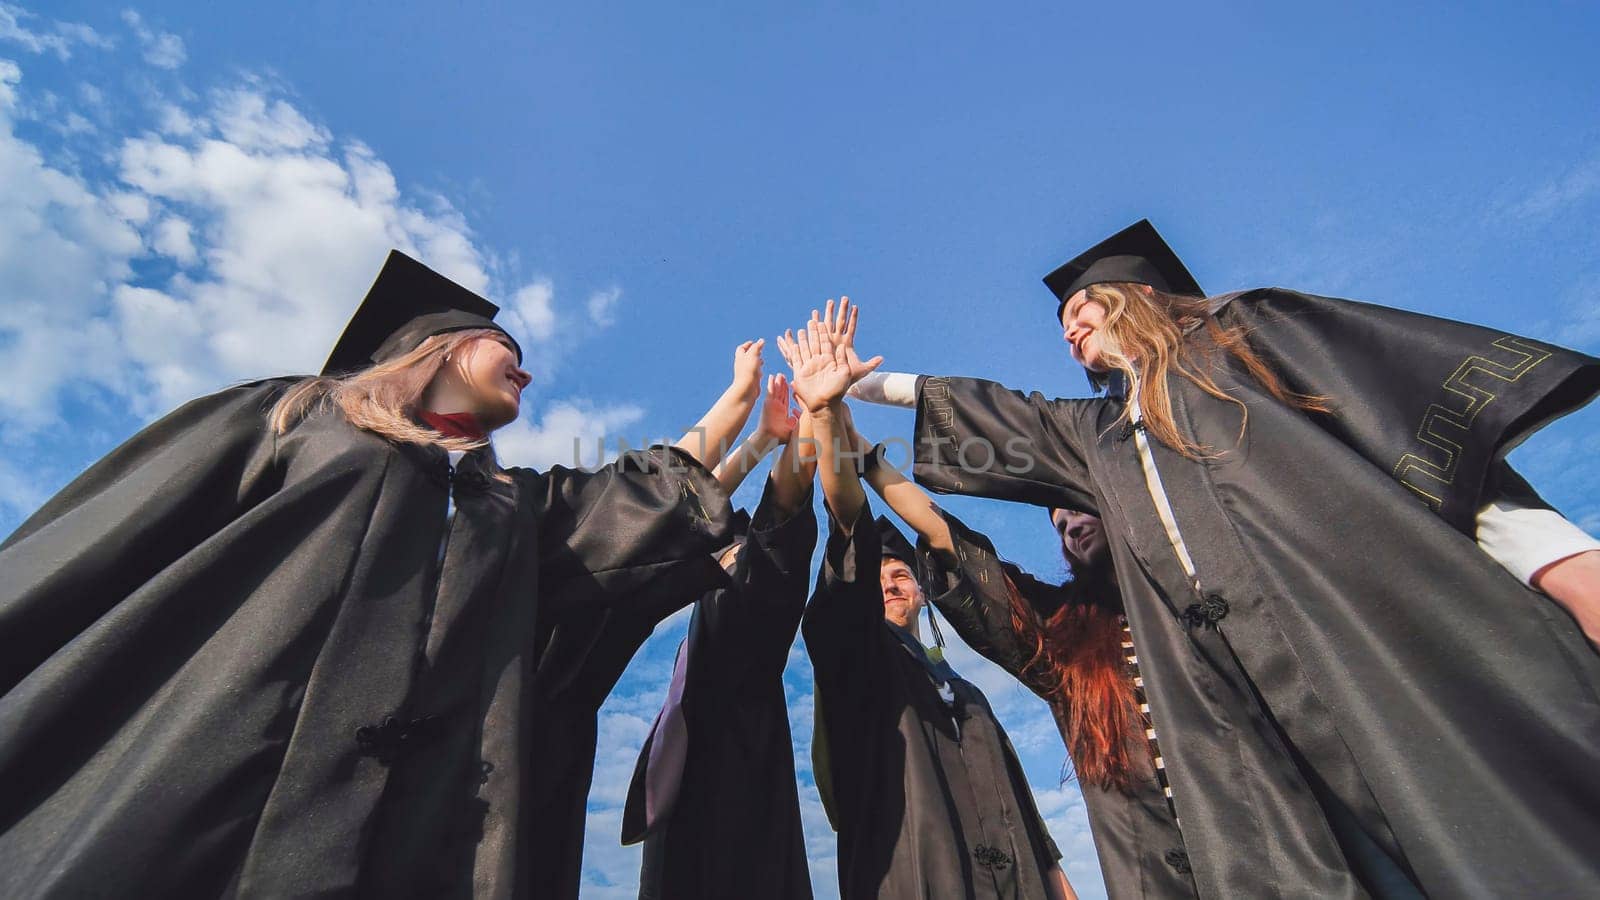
(1069, 644)
(280, 642)
(1357, 693)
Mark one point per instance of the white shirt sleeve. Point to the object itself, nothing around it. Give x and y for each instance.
(886, 388)
(1525, 539)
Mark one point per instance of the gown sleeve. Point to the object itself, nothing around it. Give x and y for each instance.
(982, 439)
(843, 631)
(972, 593)
(144, 505)
(730, 686)
(1434, 402)
(746, 633)
(613, 534)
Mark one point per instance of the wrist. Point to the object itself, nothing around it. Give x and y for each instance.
(744, 389)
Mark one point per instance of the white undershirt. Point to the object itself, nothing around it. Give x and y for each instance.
(450, 502)
(1522, 539)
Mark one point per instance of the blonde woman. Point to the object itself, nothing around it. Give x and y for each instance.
(279, 643)
(1339, 598)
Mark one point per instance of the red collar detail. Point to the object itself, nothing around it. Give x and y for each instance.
(456, 425)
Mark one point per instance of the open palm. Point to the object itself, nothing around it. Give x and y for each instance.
(821, 367)
(777, 419)
(841, 328)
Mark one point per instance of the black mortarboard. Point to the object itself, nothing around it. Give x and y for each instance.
(895, 544)
(407, 304)
(1136, 254)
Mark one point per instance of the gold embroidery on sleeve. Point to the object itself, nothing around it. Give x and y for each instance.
(1445, 424)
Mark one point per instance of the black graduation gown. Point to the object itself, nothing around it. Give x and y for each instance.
(1356, 661)
(1133, 830)
(733, 830)
(928, 798)
(237, 663)
(585, 648)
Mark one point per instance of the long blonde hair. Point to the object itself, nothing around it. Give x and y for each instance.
(1143, 337)
(383, 398)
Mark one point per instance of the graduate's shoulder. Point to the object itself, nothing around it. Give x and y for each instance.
(1281, 301)
(247, 405)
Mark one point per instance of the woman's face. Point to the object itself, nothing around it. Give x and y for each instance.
(1083, 537)
(1081, 322)
(487, 371)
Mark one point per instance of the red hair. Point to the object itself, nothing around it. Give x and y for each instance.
(1078, 661)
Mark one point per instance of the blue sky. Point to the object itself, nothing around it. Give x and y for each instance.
(198, 193)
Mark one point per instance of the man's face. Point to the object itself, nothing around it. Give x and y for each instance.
(1082, 537)
(902, 596)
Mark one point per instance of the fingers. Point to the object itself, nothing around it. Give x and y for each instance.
(821, 341)
(873, 364)
(850, 326)
(845, 313)
(804, 344)
(827, 315)
(786, 348)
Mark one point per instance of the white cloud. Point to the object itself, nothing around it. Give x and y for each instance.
(569, 433)
(254, 122)
(172, 238)
(603, 306)
(161, 49)
(533, 306)
(61, 248)
(276, 228)
(74, 123)
(59, 38)
(174, 121)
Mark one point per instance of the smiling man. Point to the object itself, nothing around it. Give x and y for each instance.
(916, 773)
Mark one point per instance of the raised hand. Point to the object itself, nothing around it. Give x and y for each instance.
(778, 421)
(747, 368)
(842, 329)
(821, 368)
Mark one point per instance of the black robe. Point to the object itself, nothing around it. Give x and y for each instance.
(585, 647)
(928, 798)
(733, 830)
(236, 662)
(1133, 829)
(1357, 676)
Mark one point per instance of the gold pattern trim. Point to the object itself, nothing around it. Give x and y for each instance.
(1428, 472)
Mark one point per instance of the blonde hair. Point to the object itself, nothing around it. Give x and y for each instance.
(1143, 337)
(383, 398)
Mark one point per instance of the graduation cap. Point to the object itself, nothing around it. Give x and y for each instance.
(1136, 254)
(895, 545)
(407, 304)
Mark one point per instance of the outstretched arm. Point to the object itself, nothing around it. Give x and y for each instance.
(908, 501)
(821, 376)
(775, 425)
(708, 441)
(796, 467)
(1574, 584)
